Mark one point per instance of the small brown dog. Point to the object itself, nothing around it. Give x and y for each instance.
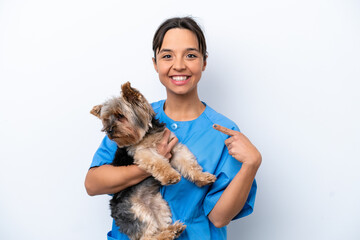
(140, 211)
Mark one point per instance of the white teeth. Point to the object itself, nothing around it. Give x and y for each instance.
(179, 78)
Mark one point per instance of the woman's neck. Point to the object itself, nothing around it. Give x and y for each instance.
(183, 108)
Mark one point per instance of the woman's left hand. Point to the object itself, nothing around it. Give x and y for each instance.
(240, 147)
(166, 144)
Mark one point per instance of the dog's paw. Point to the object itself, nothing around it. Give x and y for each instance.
(170, 232)
(171, 178)
(178, 228)
(205, 179)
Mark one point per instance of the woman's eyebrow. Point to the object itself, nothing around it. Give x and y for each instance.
(187, 49)
(192, 49)
(165, 50)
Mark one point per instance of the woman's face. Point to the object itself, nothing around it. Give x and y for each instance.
(179, 62)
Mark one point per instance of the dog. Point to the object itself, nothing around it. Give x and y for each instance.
(140, 211)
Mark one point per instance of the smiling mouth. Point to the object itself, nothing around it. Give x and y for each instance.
(179, 78)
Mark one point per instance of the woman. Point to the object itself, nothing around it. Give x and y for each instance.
(179, 59)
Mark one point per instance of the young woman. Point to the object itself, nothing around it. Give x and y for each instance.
(179, 59)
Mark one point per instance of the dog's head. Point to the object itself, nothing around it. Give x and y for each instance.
(125, 119)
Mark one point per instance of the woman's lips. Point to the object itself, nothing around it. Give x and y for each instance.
(180, 80)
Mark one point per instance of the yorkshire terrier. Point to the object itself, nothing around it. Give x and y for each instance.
(140, 211)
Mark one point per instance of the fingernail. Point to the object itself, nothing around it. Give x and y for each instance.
(215, 126)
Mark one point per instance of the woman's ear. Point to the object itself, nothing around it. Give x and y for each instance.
(155, 65)
(204, 63)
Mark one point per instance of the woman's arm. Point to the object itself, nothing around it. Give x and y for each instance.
(234, 196)
(108, 179)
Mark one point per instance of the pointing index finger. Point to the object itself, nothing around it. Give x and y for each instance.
(224, 130)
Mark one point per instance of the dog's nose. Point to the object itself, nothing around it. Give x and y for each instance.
(110, 131)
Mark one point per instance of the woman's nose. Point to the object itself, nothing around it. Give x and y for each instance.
(179, 64)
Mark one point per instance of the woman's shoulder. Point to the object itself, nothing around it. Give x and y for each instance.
(218, 118)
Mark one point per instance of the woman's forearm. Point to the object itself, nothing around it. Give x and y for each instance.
(108, 179)
(236, 193)
(234, 196)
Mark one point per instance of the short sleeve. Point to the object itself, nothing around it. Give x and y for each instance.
(105, 153)
(227, 169)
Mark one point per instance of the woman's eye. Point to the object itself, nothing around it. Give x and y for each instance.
(166, 56)
(190, 55)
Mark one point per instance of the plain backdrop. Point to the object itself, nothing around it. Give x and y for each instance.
(287, 72)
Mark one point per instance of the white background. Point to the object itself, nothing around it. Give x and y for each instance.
(287, 72)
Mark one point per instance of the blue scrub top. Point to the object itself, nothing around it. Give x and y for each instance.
(189, 203)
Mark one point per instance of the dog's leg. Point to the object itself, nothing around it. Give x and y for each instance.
(148, 206)
(161, 211)
(162, 214)
(185, 162)
(157, 165)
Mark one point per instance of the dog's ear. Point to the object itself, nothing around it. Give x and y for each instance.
(130, 94)
(96, 110)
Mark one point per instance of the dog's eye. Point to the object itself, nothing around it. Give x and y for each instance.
(119, 116)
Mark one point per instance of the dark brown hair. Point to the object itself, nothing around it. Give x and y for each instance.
(183, 23)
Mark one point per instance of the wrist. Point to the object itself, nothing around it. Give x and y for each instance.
(254, 163)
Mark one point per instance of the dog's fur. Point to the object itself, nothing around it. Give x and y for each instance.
(140, 211)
